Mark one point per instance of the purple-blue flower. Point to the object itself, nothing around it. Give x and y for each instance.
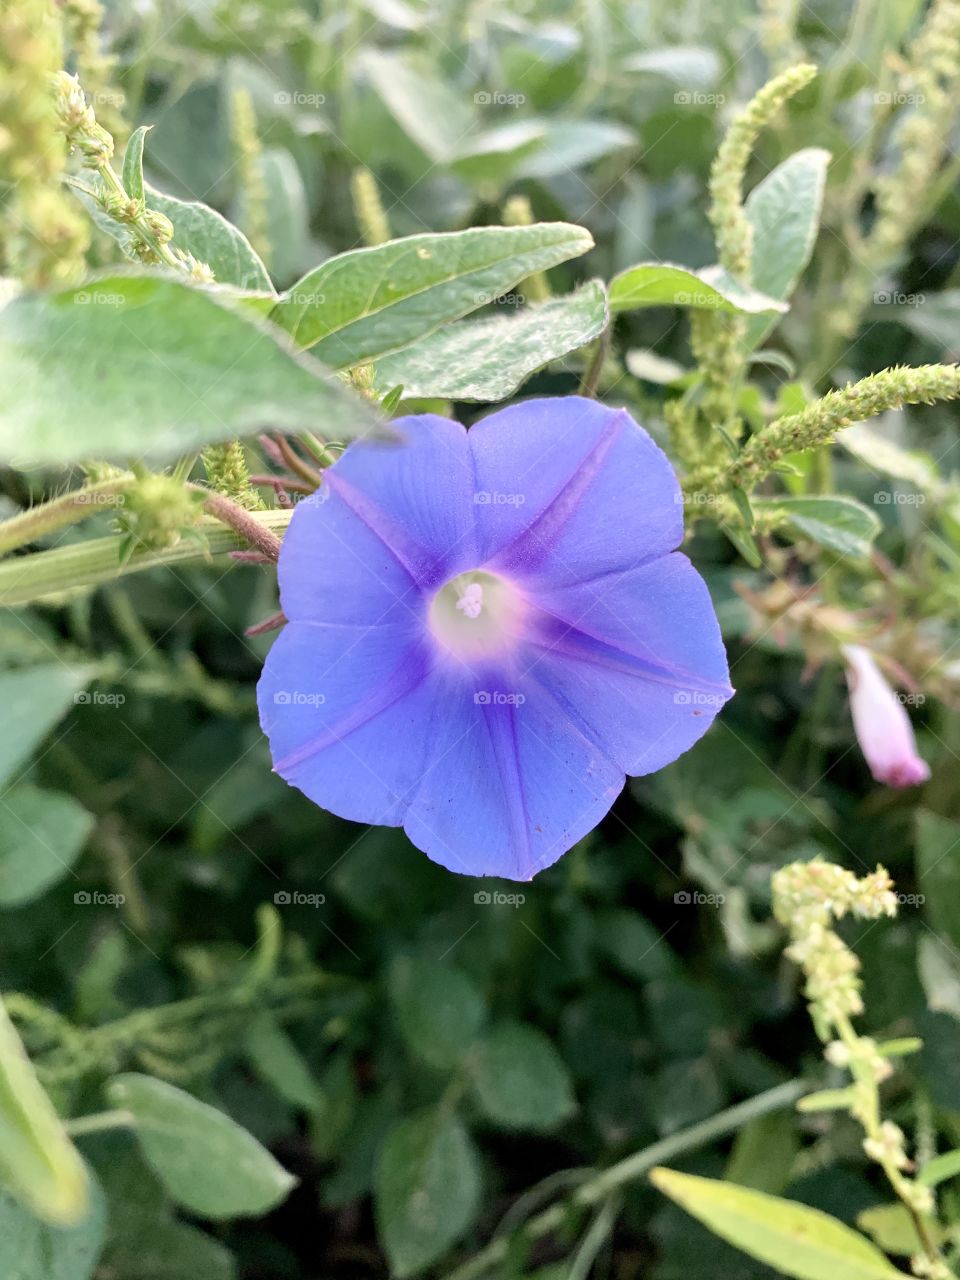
(488, 630)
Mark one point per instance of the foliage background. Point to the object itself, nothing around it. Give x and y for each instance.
(637, 987)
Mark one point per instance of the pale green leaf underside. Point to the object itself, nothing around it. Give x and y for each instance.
(666, 284)
(145, 365)
(370, 302)
(841, 524)
(488, 359)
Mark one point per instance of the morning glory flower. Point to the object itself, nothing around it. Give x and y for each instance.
(488, 630)
(881, 723)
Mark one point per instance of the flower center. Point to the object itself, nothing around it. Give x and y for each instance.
(476, 614)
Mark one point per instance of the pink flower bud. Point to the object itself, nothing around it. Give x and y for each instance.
(882, 725)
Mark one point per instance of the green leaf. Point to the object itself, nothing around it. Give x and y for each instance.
(893, 1229)
(41, 835)
(880, 454)
(573, 144)
(438, 1009)
(33, 1250)
(427, 1189)
(33, 700)
(488, 359)
(147, 365)
(207, 1162)
(208, 235)
(745, 543)
(793, 1238)
(432, 113)
(133, 163)
(938, 871)
(370, 302)
(840, 524)
(665, 284)
(764, 1153)
(280, 1063)
(784, 212)
(634, 945)
(520, 1080)
(38, 1162)
(939, 1169)
(287, 214)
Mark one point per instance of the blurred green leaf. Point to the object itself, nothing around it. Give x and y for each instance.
(207, 1162)
(938, 871)
(280, 1063)
(840, 524)
(939, 1169)
(370, 302)
(427, 1189)
(156, 368)
(664, 284)
(438, 1009)
(489, 359)
(799, 1241)
(38, 1162)
(784, 212)
(33, 700)
(41, 835)
(891, 1226)
(434, 114)
(520, 1080)
(34, 1250)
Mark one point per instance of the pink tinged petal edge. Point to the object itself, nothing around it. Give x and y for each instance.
(881, 723)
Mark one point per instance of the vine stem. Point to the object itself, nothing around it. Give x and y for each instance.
(599, 1188)
(242, 521)
(69, 508)
(100, 1121)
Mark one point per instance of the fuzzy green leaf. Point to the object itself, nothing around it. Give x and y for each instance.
(370, 302)
(488, 359)
(137, 365)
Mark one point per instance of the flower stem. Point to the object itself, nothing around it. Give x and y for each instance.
(606, 1181)
(100, 1121)
(24, 579)
(69, 508)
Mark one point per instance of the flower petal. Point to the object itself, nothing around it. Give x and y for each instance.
(569, 489)
(386, 521)
(511, 785)
(347, 712)
(637, 659)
